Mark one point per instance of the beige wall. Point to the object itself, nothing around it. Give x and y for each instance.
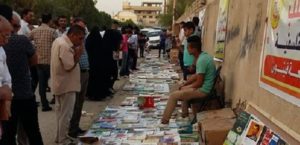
(210, 25)
(240, 71)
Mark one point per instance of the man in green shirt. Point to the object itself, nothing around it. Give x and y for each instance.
(198, 85)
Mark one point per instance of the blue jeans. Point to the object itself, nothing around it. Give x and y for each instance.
(124, 67)
(43, 75)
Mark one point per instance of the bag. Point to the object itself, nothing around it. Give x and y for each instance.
(115, 55)
(120, 55)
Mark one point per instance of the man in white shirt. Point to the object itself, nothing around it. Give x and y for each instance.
(5, 79)
(132, 49)
(65, 78)
(62, 25)
(27, 16)
(181, 39)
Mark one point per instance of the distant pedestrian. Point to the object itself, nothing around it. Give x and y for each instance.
(116, 41)
(62, 25)
(132, 48)
(27, 17)
(142, 41)
(124, 71)
(162, 44)
(43, 38)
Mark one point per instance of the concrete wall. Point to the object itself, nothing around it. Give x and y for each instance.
(246, 22)
(210, 25)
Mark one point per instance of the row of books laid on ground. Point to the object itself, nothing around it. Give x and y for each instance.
(150, 72)
(249, 130)
(146, 87)
(137, 122)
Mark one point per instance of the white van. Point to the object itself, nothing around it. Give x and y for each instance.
(153, 39)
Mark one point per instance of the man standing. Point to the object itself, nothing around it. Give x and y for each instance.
(132, 48)
(188, 59)
(162, 43)
(5, 79)
(181, 45)
(27, 16)
(116, 42)
(43, 37)
(20, 55)
(74, 129)
(197, 28)
(65, 77)
(124, 67)
(62, 25)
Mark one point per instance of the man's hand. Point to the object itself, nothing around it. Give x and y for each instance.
(5, 93)
(192, 69)
(181, 85)
(78, 52)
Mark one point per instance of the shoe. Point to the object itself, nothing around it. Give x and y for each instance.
(80, 131)
(161, 125)
(37, 103)
(52, 101)
(112, 90)
(72, 139)
(45, 109)
(97, 99)
(48, 89)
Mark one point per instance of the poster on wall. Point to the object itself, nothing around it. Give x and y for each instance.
(221, 29)
(280, 62)
(201, 22)
(201, 17)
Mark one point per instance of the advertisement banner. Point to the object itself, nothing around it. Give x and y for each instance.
(280, 62)
(221, 29)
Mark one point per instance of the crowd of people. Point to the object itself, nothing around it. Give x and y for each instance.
(79, 64)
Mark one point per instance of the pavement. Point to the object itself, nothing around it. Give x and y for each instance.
(47, 120)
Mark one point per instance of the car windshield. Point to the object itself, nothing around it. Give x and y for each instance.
(153, 34)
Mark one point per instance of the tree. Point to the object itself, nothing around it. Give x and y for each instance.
(78, 8)
(181, 6)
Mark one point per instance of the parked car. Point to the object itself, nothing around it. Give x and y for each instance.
(146, 30)
(153, 39)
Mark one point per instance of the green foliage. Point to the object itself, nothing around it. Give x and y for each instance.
(181, 6)
(78, 8)
(166, 19)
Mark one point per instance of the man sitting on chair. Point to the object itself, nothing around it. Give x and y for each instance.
(198, 85)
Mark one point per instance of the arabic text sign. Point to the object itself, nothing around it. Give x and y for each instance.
(280, 72)
(221, 29)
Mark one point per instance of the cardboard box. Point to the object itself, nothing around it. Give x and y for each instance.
(214, 131)
(212, 114)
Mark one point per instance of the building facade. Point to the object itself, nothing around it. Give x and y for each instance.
(126, 15)
(147, 13)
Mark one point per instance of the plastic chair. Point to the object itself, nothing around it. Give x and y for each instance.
(213, 95)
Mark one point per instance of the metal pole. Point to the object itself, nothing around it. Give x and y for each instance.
(173, 22)
(165, 6)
